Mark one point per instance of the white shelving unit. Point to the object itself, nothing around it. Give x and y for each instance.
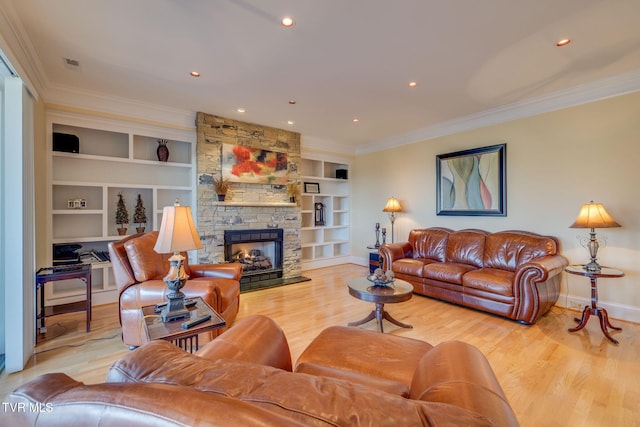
(114, 157)
(328, 244)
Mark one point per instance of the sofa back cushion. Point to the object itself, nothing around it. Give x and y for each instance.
(146, 263)
(507, 250)
(466, 247)
(429, 243)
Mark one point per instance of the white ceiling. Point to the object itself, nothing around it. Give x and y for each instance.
(474, 61)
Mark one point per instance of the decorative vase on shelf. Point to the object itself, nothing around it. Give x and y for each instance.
(139, 229)
(162, 151)
(122, 231)
(221, 197)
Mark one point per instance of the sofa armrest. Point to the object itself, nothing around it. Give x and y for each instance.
(546, 267)
(536, 287)
(457, 373)
(394, 251)
(256, 339)
(225, 271)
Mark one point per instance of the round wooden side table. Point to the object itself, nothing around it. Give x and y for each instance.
(593, 308)
(365, 290)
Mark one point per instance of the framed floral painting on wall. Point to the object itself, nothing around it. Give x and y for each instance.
(472, 182)
(253, 165)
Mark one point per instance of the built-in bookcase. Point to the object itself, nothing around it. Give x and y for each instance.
(114, 157)
(326, 244)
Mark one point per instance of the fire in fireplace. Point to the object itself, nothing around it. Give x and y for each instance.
(259, 251)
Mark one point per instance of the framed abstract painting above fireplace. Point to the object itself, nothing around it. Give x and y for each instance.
(472, 182)
(254, 165)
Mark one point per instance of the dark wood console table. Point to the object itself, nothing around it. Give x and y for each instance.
(53, 274)
(593, 308)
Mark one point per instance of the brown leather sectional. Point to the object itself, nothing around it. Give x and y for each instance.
(515, 274)
(139, 270)
(346, 377)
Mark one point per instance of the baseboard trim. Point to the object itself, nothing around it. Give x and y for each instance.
(616, 311)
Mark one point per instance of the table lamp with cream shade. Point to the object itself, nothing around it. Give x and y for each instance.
(393, 206)
(593, 215)
(177, 234)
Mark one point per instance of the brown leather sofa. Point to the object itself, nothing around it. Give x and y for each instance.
(515, 274)
(138, 272)
(346, 377)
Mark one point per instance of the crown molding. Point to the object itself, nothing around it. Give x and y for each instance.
(577, 95)
(122, 108)
(321, 145)
(17, 46)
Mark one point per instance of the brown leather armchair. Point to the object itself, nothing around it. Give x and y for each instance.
(138, 272)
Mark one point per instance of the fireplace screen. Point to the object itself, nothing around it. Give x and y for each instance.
(260, 252)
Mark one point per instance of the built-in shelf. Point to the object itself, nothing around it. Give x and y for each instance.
(326, 244)
(113, 157)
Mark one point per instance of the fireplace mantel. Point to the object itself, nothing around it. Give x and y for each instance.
(258, 204)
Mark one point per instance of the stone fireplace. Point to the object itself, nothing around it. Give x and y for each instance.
(247, 206)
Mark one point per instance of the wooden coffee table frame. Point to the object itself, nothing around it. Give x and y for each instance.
(186, 339)
(365, 290)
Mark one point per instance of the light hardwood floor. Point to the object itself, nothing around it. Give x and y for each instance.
(551, 377)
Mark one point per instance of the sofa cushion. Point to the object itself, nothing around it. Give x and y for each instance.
(385, 362)
(466, 247)
(146, 263)
(507, 250)
(449, 272)
(429, 243)
(410, 266)
(490, 280)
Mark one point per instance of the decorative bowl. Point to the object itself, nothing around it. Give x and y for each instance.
(378, 281)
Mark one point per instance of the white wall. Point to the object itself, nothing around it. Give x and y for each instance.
(555, 162)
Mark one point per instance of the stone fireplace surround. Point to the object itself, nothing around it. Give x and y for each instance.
(247, 206)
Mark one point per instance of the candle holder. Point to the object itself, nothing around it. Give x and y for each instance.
(377, 234)
(384, 236)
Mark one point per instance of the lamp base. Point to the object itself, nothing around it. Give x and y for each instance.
(592, 266)
(175, 310)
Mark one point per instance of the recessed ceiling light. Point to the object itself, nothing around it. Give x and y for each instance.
(290, 122)
(287, 22)
(241, 110)
(195, 74)
(413, 84)
(356, 120)
(292, 101)
(563, 42)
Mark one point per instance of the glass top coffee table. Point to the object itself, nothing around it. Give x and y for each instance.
(365, 290)
(186, 339)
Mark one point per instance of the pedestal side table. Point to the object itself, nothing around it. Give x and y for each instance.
(365, 290)
(593, 308)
